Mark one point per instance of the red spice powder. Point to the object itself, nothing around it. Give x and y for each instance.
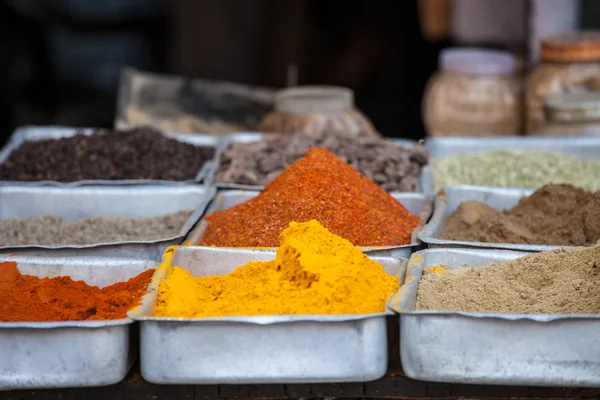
(29, 298)
(318, 186)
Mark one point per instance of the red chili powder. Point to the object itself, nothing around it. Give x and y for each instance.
(318, 186)
(29, 298)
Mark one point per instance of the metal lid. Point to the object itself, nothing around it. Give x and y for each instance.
(573, 46)
(314, 99)
(573, 107)
(477, 62)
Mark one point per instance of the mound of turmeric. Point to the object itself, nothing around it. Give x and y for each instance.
(314, 272)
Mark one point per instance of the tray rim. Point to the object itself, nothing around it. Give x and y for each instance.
(82, 324)
(137, 313)
(21, 135)
(414, 271)
(440, 214)
(424, 216)
(185, 230)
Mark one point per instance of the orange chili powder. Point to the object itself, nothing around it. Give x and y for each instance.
(29, 298)
(319, 186)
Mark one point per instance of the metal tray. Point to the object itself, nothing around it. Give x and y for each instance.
(494, 349)
(37, 133)
(417, 203)
(21, 201)
(580, 147)
(258, 349)
(247, 137)
(36, 355)
(446, 202)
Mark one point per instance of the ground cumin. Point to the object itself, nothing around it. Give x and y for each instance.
(555, 214)
(318, 186)
(551, 282)
(29, 298)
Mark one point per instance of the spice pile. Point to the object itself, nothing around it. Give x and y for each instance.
(392, 167)
(319, 186)
(550, 282)
(50, 230)
(315, 272)
(29, 298)
(515, 169)
(141, 153)
(560, 215)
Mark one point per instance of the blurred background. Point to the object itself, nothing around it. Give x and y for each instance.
(63, 58)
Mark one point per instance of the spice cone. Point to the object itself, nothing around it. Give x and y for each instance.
(319, 186)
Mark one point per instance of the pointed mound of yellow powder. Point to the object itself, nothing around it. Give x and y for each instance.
(315, 272)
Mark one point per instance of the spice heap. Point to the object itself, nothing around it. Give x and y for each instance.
(319, 186)
(314, 272)
(141, 153)
(560, 215)
(50, 230)
(392, 167)
(515, 169)
(29, 298)
(550, 282)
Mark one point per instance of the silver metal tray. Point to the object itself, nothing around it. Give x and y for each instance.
(36, 355)
(247, 137)
(417, 203)
(446, 202)
(37, 133)
(258, 349)
(21, 201)
(581, 147)
(492, 349)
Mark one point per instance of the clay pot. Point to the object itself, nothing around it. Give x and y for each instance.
(317, 110)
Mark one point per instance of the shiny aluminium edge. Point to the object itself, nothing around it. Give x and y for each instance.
(492, 349)
(323, 348)
(448, 200)
(581, 147)
(35, 355)
(37, 133)
(20, 201)
(417, 203)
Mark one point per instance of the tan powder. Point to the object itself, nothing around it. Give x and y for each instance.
(551, 282)
(560, 215)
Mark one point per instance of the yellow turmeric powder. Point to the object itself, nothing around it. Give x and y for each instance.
(314, 272)
(436, 268)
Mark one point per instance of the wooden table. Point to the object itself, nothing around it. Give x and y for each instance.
(393, 386)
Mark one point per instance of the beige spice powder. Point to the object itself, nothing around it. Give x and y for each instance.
(551, 282)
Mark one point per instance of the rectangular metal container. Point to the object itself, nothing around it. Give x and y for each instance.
(580, 147)
(37, 133)
(416, 203)
(36, 355)
(247, 137)
(179, 104)
(492, 349)
(21, 201)
(446, 202)
(258, 349)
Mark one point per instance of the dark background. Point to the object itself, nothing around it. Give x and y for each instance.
(63, 57)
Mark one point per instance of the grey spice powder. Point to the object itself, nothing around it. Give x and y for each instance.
(50, 230)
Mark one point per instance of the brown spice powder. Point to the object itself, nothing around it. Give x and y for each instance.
(555, 214)
(550, 282)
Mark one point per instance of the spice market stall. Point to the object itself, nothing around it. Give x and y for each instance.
(289, 290)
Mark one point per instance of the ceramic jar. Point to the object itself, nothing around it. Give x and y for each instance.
(475, 93)
(570, 63)
(317, 110)
(572, 114)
